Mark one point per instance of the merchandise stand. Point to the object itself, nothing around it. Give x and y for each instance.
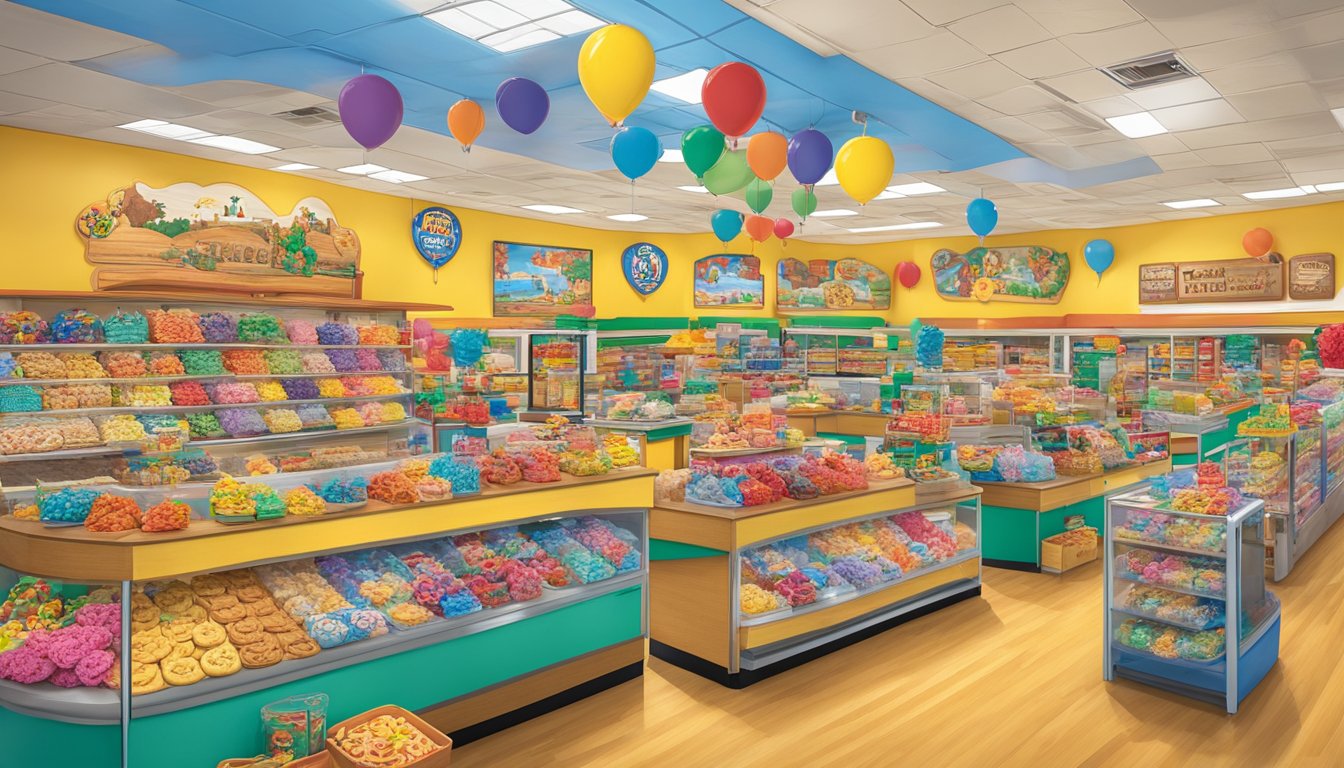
(696, 570)
(1195, 437)
(661, 444)
(1018, 516)
(857, 423)
(524, 658)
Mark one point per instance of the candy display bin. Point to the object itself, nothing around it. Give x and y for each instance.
(439, 758)
(1186, 608)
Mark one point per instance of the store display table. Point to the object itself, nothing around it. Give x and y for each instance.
(661, 444)
(858, 423)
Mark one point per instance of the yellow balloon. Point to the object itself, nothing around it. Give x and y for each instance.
(616, 70)
(864, 166)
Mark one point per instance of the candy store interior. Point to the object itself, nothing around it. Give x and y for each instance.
(648, 382)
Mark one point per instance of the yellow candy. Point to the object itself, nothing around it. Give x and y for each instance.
(330, 388)
(81, 365)
(346, 418)
(280, 420)
(393, 411)
(383, 385)
(122, 428)
(755, 600)
(146, 395)
(271, 391)
(302, 501)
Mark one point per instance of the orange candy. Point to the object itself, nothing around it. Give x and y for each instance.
(113, 513)
(166, 516)
(393, 487)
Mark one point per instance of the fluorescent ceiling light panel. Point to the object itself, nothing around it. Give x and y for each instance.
(555, 209)
(918, 188)
(518, 38)
(834, 213)
(1332, 186)
(294, 167)
(887, 194)
(1338, 112)
(396, 177)
(1202, 202)
(1137, 125)
(1276, 194)
(535, 9)
(494, 14)
(235, 144)
(684, 87)
(362, 170)
(458, 21)
(511, 25)
(829, 180)
(627, 217)
(571, 23)
(693, 188)
(670, 156)
(166, 130)
(896, 227)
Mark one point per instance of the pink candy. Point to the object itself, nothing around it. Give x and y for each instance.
(27, 666)
(235, 392)
(93, 668)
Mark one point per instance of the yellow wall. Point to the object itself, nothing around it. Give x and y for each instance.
(50, 178)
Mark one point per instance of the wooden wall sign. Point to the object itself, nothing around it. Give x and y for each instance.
(1157, 283)
(1311, 276)
(1201, 282)
(217, 237)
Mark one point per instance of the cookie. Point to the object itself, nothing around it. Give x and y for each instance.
(221, 660)
(277, 622)
(146, 678)
(302, 649)
(262, 608)
(251, 594)
(208, 634)
(145, 614)
(208, 585)
(221, 601)
(195, 613)
(291, 636)
(140, 627)
(183, 671)
(239, 578)
(180, 651)
(246, 632)
(261, 654)
(179, 630)
(229, 614)
(150, 649)
(141, 600)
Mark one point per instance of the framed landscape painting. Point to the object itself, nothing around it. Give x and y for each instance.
(729, 280)
(542, 280)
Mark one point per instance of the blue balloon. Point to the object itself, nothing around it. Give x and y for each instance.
(982, 216)
(1100, 255)
(635, 151)
(727, 224)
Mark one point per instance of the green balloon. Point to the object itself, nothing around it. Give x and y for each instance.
(759, 194)
(915, 327)
(730, 174)
(701, 148)
(804, 202)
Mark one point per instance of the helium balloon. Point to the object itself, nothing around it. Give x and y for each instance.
(522, 104)
(734, 97)
(370, 108)
(809, 156)
(1100, 254)
(726, 224)
(635, 150)
(783, 229)
(915, 328)
(907, 272)
(1257, 242)
(466, 120)
(804, 202)
(759, 228)
(759, 194)
(701, 148)
(616, 70)
(863, 167)
(982, 216)
(728, 175)
(768, 154)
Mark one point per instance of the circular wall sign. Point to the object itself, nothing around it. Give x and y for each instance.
(645, 267)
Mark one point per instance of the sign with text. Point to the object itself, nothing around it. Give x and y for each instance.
(1312, 276)
(1199, 282)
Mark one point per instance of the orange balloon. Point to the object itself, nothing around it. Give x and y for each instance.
(767, 154)
(466, 120)
(759, 228)
(1257, 242)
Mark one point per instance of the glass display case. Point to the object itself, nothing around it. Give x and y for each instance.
(1332, 418)
(849, 352)
(848, 393)
(968, 400)
(557, 365)
(1012, 352)
(1046, 400)
(1182, 590)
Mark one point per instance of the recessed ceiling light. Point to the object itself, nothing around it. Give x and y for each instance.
(684, 87)
(829, 180)
(887, 194)
(895, 227)
(458, 21)
(1137, 125)
(571, 23)
(362, 170)
(524, 36)
(166, 130)
(627, 217)
(396, 177)
(494, 14)
(1276, 194)
(834, 213)
(235, 144)
(556, 209)
(1332, 186)
(670, 156)
(1202, 202)
(918, 188)
(1338, 112)
(294, 167)
(693, 188)
(510, 25)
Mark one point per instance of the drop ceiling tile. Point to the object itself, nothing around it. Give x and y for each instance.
(12, 60)
(1112, 106)
(92, 89)
(230, 93)
(1161, 144)
(1256, 75)
(1322, 62)
(1186, 91)
(933, 91)
(15, 103)
(1235, 153)
(1282, 101)
(1015, 129)
(935, 53)
(1087, 85)
(1195, 23)
(1074, 16)
(1306, 147)
(1046, 59)
(1319, 162)
(975, 112)
(1113, 46)
(976, 81)
(1001, 29)
(1191, 117)
(56, 37)
(1178, 160)
(1324, 176)
(1020, 101)
(941, 12)
(834, 21)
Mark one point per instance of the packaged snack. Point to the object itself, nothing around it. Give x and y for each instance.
(76, 326)
(174, 326)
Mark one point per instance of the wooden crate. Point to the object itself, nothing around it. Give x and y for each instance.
(438, 759)
(1062, 552)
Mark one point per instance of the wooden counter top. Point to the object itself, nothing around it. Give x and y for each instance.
(1052, 494)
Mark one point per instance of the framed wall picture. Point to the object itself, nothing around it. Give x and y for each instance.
(827, 284)
(729, 280)
(542, 280)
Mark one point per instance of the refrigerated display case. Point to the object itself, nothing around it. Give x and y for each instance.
(1011, 351)
(558, 362)
(1186, 607)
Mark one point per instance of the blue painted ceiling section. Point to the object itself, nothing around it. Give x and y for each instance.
(316, 46)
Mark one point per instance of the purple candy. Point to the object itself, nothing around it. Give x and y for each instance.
(392, 359)
(300, 389)
(219, 327)
(344, 360)
(367, 360)
(337, 333)
(239, 422)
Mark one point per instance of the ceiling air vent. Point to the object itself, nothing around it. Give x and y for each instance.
(1149, 70)
(310, 116)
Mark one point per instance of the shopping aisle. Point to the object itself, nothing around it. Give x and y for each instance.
(1013, 679)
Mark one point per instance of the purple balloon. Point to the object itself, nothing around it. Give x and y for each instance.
(370, 110)
(522, 104)
(810, 156)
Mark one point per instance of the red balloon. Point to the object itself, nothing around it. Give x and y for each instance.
(734, 98)
(783, 228)
(759, 228)
(908, 273)
(1257, 242)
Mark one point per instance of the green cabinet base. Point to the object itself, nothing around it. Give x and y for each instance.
(1011, 537)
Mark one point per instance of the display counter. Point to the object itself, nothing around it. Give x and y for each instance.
(1019, 516)
(857, 423)
(660, 444)
(739, 594)
(1195, 437)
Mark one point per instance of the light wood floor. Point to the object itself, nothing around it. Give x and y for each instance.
(1010, 679)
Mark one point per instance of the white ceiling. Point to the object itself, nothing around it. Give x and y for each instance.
(1258, 117)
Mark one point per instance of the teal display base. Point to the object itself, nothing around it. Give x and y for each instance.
(37, 741)
(661, 549)
(1011, 537)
